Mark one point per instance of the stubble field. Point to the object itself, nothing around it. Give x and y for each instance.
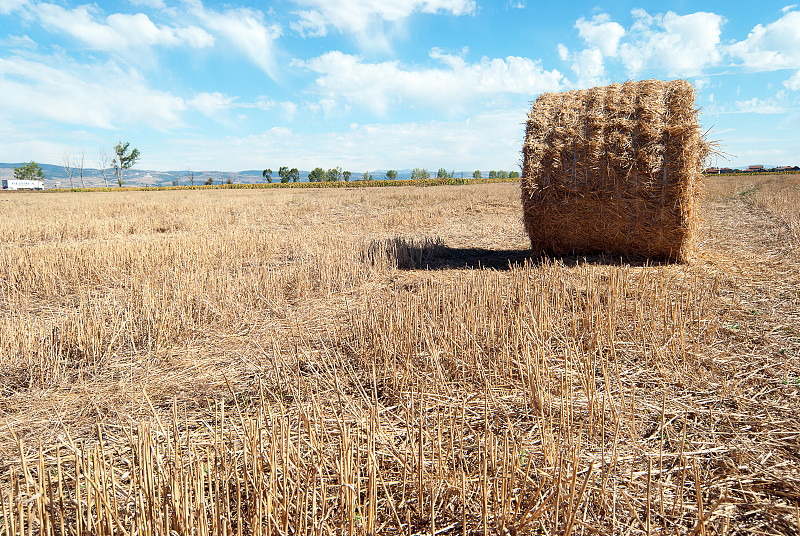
(362, 361)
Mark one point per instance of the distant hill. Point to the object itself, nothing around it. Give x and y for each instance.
(56, 177)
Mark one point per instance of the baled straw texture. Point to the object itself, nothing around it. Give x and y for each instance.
(614, 169)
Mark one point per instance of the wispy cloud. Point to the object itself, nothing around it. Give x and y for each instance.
(450, 87)
(193, 25)
(7, 6)
(247, 30)
(366, 19)
(760, 106)
(117, 31)
(102, 95)
(793, 83)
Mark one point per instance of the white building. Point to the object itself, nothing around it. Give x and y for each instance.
(15, 184)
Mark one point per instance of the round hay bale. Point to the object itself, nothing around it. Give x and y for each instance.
(614, 169)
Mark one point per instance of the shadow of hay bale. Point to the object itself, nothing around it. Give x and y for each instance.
(432, 254)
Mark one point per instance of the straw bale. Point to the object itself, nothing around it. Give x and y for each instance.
(615, 169)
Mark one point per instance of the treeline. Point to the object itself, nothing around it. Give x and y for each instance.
(337, 174)
(324, 184)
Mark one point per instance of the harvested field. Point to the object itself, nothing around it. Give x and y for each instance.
(392, 361)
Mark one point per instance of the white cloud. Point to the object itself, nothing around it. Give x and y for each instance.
(788, 8)
(774, 46)
(104, 96)
(365, 18)
(515, 4)
(702, 83)
(383, 85)
(264, 103)
(18, 41)
(603, 37)
(760, 106)
(311, 24)
(118, 31)
(588, 66)
(793, 83)
(602, 33)
(7, 6)
(356, 15)
(210, 103)
(682, 45)
(138, 30)
(155, 4)
(246, 29)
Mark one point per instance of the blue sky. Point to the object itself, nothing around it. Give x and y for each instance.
(373, 84)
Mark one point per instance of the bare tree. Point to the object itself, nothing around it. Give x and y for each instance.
(79, 160)
(190, 176)
(66, 163)
(103, 160)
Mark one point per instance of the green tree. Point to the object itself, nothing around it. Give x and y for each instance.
(209, 181)
(123, 159)
(391, 174)
(334, 174)
(346, 176)
(367, 176)
(317, 175)
(418, 174)
(492, 174)
(294, 174)
(29, 172)
(229, 180)
(283, 173)
(476, 174)
(441, 174)
(267, 174)
(502, 175)
(513, 175)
